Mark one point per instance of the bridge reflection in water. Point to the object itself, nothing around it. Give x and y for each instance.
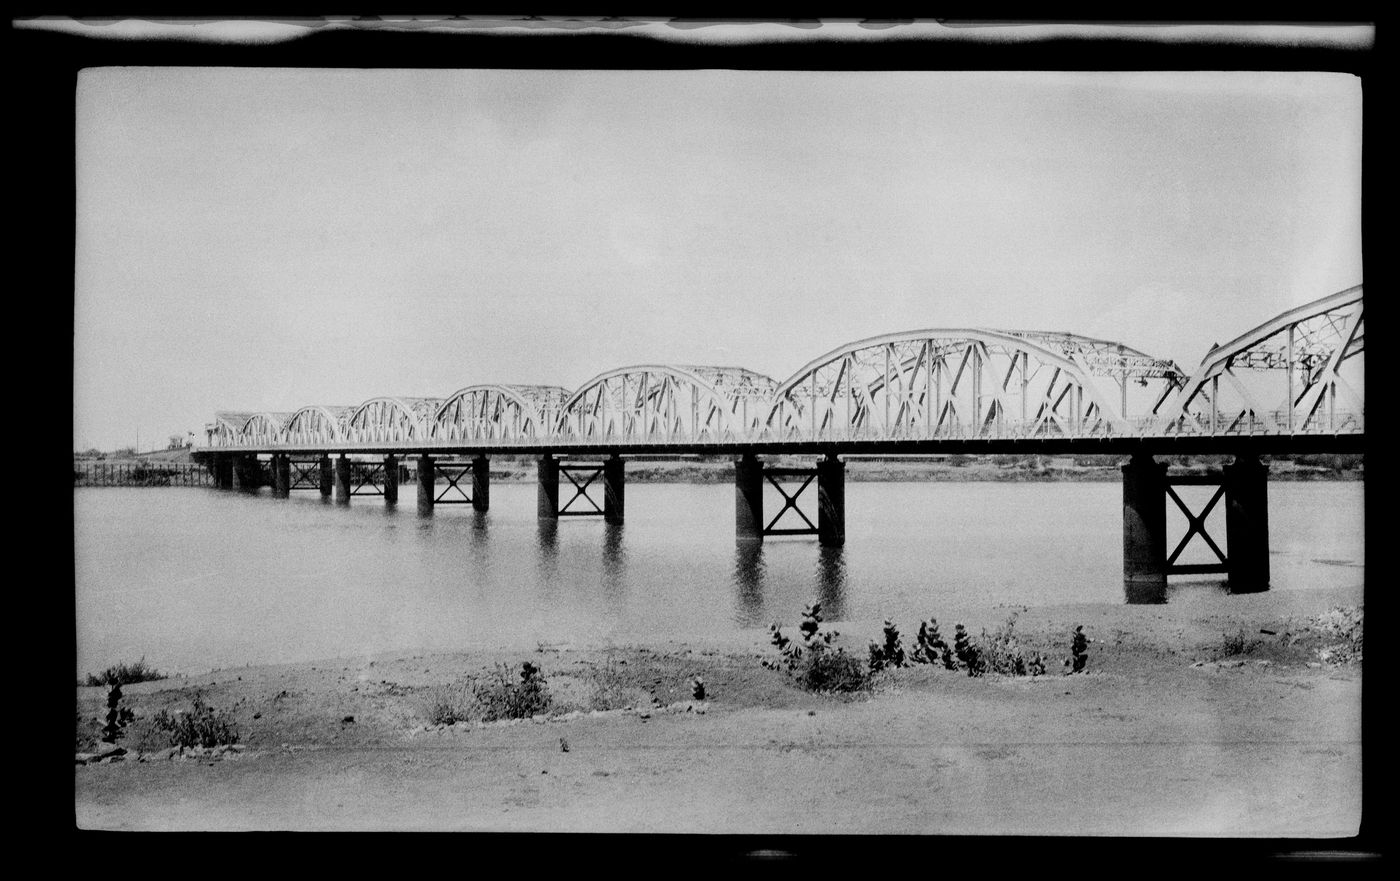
(1294, 384)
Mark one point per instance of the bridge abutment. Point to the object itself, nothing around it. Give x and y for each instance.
(831, 501)
(427, 484)
(1145, 530)
(391, 479)
(748, 498)
(547, 494)
(342, 480)
(1247, 524)
(481, 484)
(614, 482)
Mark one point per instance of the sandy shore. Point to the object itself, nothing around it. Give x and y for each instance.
(1167, 732)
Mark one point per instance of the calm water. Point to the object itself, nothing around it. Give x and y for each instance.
(198, 578)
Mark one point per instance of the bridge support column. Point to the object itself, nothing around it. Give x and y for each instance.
(481, 484)
(327, 476)
(1247, 524)
(246, 472)
(342, 480)
(614, 482)
(748, 499)
(391, 479)
(427, 484)
(1145, 530)
(223, 471)
(547, 497)
(281, 476)
(831, 501)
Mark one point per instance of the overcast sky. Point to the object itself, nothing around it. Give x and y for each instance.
(255, 239)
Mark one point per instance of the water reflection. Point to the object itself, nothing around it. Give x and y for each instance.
(614, 574)
(748, 583)
(831, 582)
(547, 560)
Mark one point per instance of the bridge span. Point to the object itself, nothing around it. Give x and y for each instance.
(1293, 384)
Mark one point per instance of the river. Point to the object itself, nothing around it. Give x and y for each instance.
(193, 579)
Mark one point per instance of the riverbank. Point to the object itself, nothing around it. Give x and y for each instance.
(1225, 715)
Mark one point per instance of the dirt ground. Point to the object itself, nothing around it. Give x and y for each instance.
(1230, 716)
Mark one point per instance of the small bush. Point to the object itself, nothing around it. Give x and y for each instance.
(1079, 650)
(929, 647)
(969, 655)
(610, 689)
(201, 726)
(891, 654)
(450, 705)
(815, 663)
(118, 716)
(832, 671)
(125, 674)
(1001, 653)
(498, 697)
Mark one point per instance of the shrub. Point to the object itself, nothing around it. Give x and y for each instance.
(610, 689)
(449, 705)
(891, 654)
(930, 648)
(118, 717)
(125, 674)
(832, 671)
(815, 663)
(1079, 650)
(969, 656)
(500, 698)
(1001, 653)
(202, 726)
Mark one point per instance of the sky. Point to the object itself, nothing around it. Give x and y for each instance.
(265, 239)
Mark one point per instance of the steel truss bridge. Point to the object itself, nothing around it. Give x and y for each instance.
(1292, 384)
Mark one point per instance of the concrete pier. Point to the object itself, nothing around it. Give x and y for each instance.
(547, 497)
(481, 484)
(831, 501)
(614, 482)
(223, 471)
(247, 473)
(748, 499)
(1247, 524)
(281, 476)
(427, 484)
(342, 480)
(327, 477)
(1145, 530)
(391, 479)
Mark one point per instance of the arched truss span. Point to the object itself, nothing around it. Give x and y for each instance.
(391, 420)
(227, 428)
(317, 425)
(971, 383)
(1301, 372)
(499, 413)
(263, 429)
(668, 403)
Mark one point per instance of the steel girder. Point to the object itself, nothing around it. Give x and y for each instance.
(1301, 372)
(496, 413)
(668, 404)
(971, 383)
